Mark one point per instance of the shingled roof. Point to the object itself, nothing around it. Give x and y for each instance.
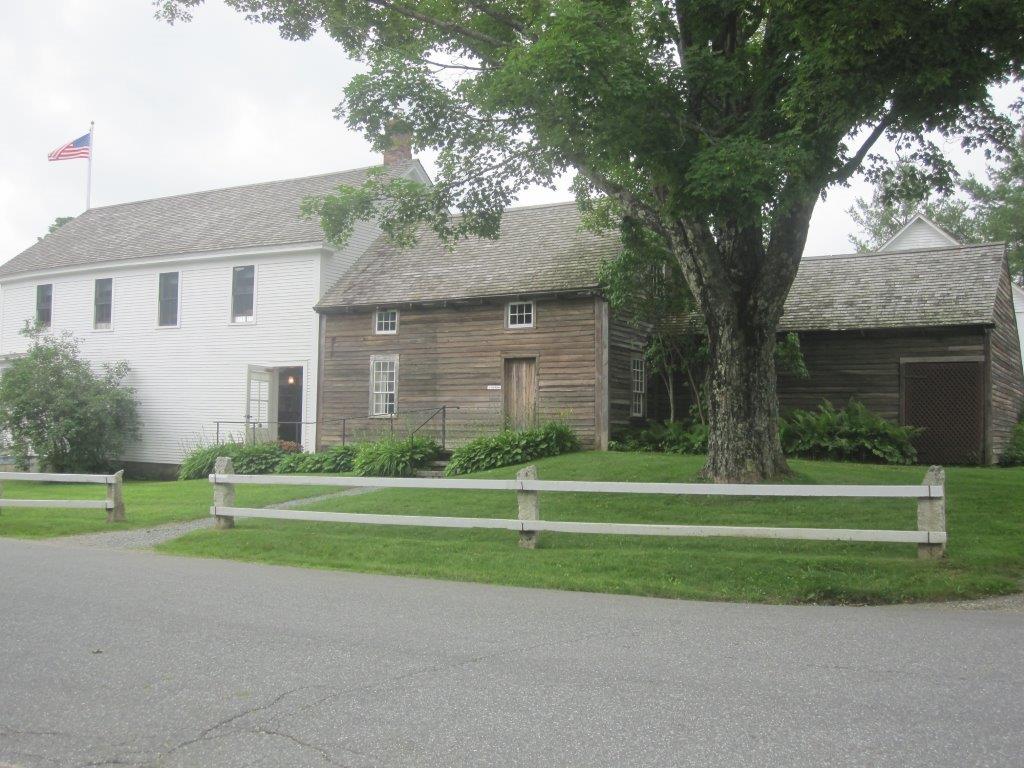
(265, 214)
(542, 249)
(946, 286)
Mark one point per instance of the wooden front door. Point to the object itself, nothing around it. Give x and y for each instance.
(520, 387)
(945, 399)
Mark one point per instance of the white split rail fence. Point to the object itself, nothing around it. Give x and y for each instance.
(930, 535)
(114, 503)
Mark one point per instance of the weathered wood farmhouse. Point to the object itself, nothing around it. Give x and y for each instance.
(515, 331)
(507, 331)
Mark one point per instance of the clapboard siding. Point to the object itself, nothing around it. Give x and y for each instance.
(624, 342)
(1006, 376)
(450, 356)
(192, 375)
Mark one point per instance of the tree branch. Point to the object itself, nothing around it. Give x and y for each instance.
(850, 166)
(450, 26)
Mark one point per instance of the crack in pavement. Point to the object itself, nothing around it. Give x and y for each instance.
(312, 747)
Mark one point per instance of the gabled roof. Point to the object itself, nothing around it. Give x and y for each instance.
(934, 234)
(542, 249)
(897, 289)
(254, 215)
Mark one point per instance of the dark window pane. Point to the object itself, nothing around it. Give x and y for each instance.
(44, 304)
(103, 302)
(242, 288)
(168, 298)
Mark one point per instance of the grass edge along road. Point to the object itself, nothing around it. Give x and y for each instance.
(985, 508)
(147, 503)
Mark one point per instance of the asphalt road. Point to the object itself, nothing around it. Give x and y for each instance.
(121, 658)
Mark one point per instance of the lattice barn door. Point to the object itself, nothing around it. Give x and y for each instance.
(946, 399)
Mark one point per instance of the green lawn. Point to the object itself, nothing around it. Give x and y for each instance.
(146, 503)
(985, 555)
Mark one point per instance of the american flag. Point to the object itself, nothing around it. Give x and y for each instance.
(80, 147)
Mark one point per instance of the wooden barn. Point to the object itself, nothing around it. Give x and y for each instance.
(514, 331)
(925, 337)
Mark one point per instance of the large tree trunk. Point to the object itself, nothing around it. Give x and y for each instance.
(743, 410)
(740, 282)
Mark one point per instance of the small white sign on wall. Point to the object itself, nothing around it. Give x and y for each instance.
(494, 386)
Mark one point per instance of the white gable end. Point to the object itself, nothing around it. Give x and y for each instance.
(919, 233)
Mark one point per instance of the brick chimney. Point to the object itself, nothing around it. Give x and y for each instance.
(400, 150)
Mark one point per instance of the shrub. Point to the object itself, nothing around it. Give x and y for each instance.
(1013, 454)
(513, 447)
(53, 405)
(335, 459)
(251, 459)
(390, 457)
(670, 437)
(852, 434)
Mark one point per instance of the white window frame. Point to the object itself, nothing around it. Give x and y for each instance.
(638, 386)
(377, 322)
(374, 411)
(35, 315)
(110, 325)
(241, 319)
(517, 326)
(177, 318)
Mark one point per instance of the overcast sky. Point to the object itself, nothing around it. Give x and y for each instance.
(213, 103)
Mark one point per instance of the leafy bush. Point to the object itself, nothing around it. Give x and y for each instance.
(336, 459)
(852, 434)
(390, 457)
(670, 437)
(54, 406)
(248, 459)
(1013, 454)
(513, 447)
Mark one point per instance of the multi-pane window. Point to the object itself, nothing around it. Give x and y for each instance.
(259, 399)
(243, 289)
(520, 314)
(103, 303)
(383, 386)
(386, 321)
(44, 304)
(168, 293)
(638, 374)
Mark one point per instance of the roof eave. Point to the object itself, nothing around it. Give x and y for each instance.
(462, 301)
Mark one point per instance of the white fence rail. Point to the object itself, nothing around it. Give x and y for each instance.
(930, 535)
(113, 503)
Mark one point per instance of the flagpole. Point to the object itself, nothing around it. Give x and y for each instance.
(88, 181)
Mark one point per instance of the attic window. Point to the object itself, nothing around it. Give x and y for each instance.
(520, 314)
(386, 321)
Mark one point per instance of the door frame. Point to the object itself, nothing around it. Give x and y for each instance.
(980, 360)
(521, 355)
(309, 436)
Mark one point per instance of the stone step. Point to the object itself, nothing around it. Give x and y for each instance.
(429, 473)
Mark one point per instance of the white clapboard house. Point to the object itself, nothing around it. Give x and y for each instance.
(209, 297)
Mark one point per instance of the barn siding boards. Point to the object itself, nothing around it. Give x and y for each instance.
(866, 365)
(1005, 374)
(451, 356)
(624, 342)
